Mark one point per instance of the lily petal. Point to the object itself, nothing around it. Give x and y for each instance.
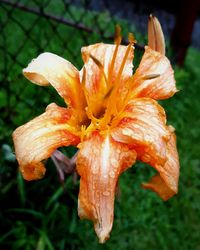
(165, 184)
(37, 139)
(49, 68)
(100, 162)
(102, 67)
(154, 77)
(143, 128)
(142, 125)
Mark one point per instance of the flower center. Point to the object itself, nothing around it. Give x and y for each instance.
(109, 107)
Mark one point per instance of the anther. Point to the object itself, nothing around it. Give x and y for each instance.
(150, 76)
(131, 38)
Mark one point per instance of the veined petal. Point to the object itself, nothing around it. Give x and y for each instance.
(142, 125)
(154, 77)
(49, 68)
(100, 162)
(165, 184)
(104, 54)
(37, 139)
(144, 129)
(103, 72)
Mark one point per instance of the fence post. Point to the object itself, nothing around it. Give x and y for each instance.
(182, 32)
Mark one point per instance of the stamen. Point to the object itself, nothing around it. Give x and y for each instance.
(100, 66)
(83, 83)
(112, 107)
(83, 132)
(117, 41)
(91, 116)
(88, 108)
(123, 63)
(86, 130)
(108, 93)
(118, 37)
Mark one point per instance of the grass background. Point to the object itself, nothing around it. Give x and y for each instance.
(43, 214)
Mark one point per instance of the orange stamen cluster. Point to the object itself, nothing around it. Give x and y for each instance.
(104, 121)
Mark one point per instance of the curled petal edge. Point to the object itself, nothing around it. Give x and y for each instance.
(165, 184)
(38, 139)
(49, 68)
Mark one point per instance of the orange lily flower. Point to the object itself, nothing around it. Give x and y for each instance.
(112, 117)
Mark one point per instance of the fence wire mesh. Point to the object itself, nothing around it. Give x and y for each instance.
(29, 28)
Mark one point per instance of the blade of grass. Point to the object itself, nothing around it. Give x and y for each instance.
(27, 211)
(21, 188)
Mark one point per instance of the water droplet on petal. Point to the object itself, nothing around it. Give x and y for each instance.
(112, 174)
(106, 193)
(114, 162)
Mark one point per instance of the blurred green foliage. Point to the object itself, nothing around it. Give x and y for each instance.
(42, 215)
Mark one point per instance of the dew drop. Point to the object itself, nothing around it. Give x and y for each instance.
(114, 162)
(112, 174)
(118, 151)
(147, 137)
(136, 126)
(106, 193)
(95, 170)
(125, 132)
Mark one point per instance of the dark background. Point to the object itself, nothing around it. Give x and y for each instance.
(43, 214)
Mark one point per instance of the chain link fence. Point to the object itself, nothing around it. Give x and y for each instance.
(29, 28)
(44, 210)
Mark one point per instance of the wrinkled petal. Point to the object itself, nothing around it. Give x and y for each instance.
(100, 79)
(165, 184)
(37, 139)
(154, 77)
(142, 125)
(144, 129)
(100, 162)
(49, 68)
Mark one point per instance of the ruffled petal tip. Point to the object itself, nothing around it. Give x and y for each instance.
(102, 226)
(49, 68)
(157, 185)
